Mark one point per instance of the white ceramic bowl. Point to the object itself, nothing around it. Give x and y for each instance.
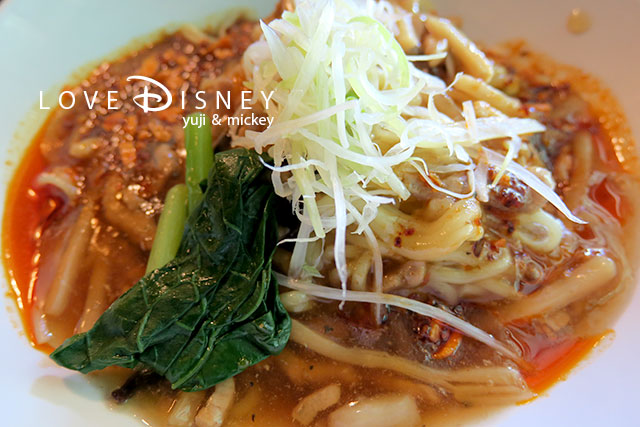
(43, 42)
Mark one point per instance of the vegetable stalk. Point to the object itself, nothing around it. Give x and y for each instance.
(199, 146)
(170, 228)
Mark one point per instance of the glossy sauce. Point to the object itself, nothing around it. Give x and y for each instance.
(26, 210)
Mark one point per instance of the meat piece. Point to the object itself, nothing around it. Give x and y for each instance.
(509, 194)
(138, 226)
(411, 274)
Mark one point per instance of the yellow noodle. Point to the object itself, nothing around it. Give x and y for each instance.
(308, 408)
(425, 241)
(504, 380)
(581, 171)
(481, 291)
(482, 91)
(96, 301)
(359, 271)
(462, 274)
(71, 263)
(484, 109)
(539, 230)
(587, 278)
(473, 59)
(447, 106)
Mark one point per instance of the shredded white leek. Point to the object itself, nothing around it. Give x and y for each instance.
(337, 72)
(397, 301)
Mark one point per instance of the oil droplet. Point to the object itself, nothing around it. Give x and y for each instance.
(579, 21)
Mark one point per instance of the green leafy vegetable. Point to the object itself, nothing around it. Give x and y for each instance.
(212, 311)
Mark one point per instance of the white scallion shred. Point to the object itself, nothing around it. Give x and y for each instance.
(461, 325)
(337, 73)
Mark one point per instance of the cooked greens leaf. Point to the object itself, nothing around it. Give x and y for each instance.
(212, 311)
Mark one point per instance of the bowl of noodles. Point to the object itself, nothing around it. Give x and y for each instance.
(347, 212)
